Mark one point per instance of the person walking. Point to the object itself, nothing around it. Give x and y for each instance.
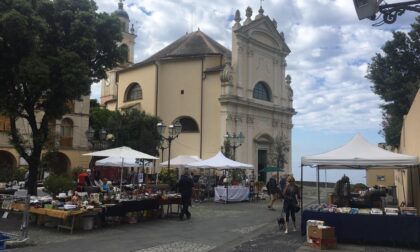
(282, 185)
(272, 190)
(291, 202)
(185, 185)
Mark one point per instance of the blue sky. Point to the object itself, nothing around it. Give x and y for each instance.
(330, 52)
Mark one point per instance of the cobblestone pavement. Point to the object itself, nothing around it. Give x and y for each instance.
(247, 226)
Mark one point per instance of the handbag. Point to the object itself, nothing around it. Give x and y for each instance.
(297, 209)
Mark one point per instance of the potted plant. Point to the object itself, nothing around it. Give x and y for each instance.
(56, 184)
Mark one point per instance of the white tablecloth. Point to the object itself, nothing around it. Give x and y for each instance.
(235, 193)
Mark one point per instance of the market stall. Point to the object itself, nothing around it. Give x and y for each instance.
(368, 228)
(220, 162)
(353, 224)
(236, 193)
(123, 153)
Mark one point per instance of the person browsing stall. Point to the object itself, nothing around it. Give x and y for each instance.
(272, 190)
(185, 185)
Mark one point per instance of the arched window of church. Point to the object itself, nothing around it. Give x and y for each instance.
(133, 92)
(261, 92)
(66, 128)
(124, 52)
(188, 124)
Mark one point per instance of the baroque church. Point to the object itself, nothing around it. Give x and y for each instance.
(212, 90)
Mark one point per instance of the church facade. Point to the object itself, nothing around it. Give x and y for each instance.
(212, 91)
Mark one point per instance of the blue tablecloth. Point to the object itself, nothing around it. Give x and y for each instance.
(378, 229)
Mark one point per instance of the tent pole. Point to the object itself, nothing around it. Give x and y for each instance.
(121, 176)
(317, 184)
(301, 189)
(412, 189)
(402, 180)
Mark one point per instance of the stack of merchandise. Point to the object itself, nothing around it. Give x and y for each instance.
(322, 237)
(376, 211)
(364, 211)
(391, 211)
(408, 210)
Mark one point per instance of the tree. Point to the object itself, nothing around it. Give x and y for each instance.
(395, 75)
(133, 128)
(51, 52)
(279, 151)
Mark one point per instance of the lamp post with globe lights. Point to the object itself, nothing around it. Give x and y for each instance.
(173, 132)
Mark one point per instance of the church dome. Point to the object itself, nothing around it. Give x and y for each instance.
(121, 12)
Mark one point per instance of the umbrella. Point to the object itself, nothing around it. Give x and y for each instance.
(123, 152)
(116, 162)
(272, 169)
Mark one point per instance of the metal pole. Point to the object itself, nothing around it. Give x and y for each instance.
(301, 189)
(169, 153)
(121, 177)
(317, 184)
(412, 189)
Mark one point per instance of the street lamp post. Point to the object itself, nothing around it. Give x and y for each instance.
(235, 140)
(99, 141)
(163, 146)
(173, 132)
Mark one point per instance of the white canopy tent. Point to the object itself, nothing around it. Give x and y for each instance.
(181, 161)
(117, 162)
(219, 161)
(122, 153)
(356, 154)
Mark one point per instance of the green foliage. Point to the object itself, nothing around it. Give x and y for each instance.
(9, 174)
(51, 52)
(58, 184)
(168, 176)
(395, 75)
(358, 187)
(133, 128)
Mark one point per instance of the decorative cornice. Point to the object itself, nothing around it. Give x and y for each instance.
(239, 101)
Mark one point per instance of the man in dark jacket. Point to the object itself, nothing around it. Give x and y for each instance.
(185, 185)
(272, 190)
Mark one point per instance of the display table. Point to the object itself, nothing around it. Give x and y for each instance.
(169, 202)
(359, 228)
(62, 215)
(235, 193)
(122, 208)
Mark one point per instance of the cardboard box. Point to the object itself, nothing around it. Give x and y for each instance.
(312, 223)
(321, 232)
(324, 244)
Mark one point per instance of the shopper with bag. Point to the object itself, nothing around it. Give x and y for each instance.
(291, 203)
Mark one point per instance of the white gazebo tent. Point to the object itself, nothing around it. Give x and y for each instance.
(356, 154)
(220, 162)
(123, 153)
(181, 161)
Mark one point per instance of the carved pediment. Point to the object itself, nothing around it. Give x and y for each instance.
(263, 31)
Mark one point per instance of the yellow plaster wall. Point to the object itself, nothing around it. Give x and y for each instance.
(175, 76)
(146, 77)
(372, 177)
(410, 144)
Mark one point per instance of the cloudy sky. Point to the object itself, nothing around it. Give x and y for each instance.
(330, 52)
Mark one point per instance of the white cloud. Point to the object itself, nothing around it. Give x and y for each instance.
(330, 50)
